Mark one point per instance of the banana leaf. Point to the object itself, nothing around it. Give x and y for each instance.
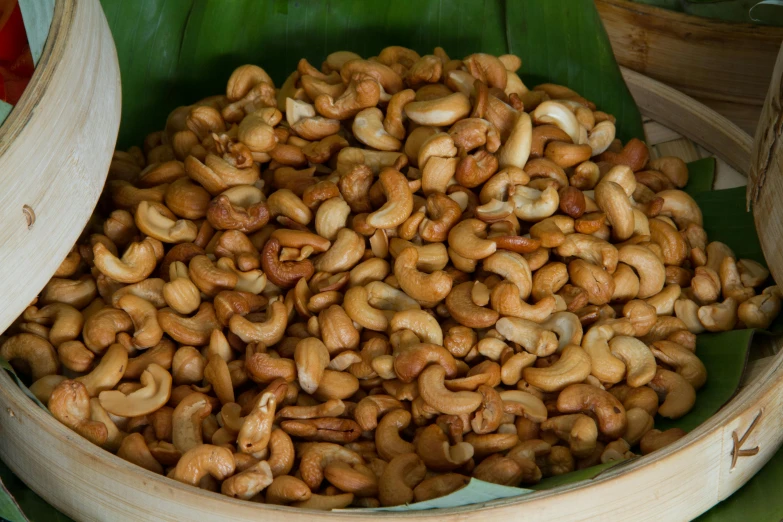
(175, 52)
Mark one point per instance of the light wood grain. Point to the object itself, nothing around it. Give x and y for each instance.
(677, 483)
(766, 177)
(686, 116)
(55, 149)
(703, 58)
(744, 115)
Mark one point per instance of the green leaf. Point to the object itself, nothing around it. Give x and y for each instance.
(701, 176)
(726, 220)
(9, 509)
(724, 355)
(176, 52)
(34, 507)
(577, 54)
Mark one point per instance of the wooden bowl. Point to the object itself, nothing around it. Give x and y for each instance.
(676, 483)
(55, 149)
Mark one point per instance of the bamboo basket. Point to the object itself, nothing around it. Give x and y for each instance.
(678, 482)
(725, 65)
(55, 149)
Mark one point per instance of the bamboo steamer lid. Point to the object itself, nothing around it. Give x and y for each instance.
(55, 150)
(765, 180)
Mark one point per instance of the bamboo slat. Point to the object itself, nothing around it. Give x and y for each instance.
(55, 149)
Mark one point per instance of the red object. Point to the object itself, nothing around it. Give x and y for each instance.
(16, 62)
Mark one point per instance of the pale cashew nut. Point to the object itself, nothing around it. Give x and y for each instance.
(186, 421)
(154, 394)
(531, 336)
(731, 283)
(579, 430)
(468, 239)
(752, 273)
(439, 112)
(409, 364)
(109, 371)
(657, 439)
(427, 289)
(137, 262)
(202, 461)
(535, 205)
(601, 137)
(317, 456)
(560, 115)
(349, 157)
(432, 446)
(759, 311)
(719, 317)
(65, 320)
(591, 249)
(344, 254)
(147, 332)
(513, 267)
(286, 489)
(663, 301)
(368, 127)
(269, 332)
(567, 327)
(311, 357)
(604, 366)
(681, 207)
(424, 325)
(573, 367)
(249, 482)
(388, 442)
(69, 403)
(357, 306)
(516, 150)
(524, 404)
(652, 273)
(399, 204)
(384, 297)
(613, 201)
(435, 393)
(256, 430)
(676, 392)
(194, 330)
(157, 221)
(684, 361)
(639, 360)
(506, 301)
(611, 415)
(432, 257)
(371, 407)
(687, 311)
(36, 352)
(361, 92)
(331, 216)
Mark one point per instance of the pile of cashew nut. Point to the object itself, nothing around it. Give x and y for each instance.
(380, 279)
